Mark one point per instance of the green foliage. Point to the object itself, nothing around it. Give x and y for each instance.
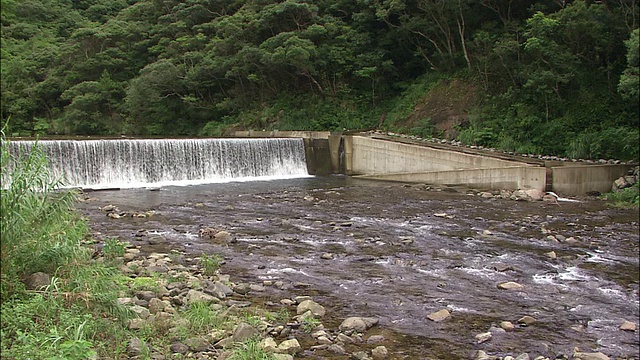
(39, 232)
(210, 263)
(250, 350)
(626, 197)
(113, 248)
(202, 67)
(609, 143)
(201, 317)
(309, 324)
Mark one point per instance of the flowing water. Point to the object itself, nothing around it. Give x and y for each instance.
(401, 252)
(131, 163)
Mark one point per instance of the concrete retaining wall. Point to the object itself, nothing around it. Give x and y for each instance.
(282, 134)
(580, 179)
(371, 156)
(519, 177)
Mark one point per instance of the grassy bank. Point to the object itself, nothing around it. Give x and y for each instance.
(62, 300)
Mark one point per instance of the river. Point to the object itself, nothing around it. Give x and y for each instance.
(400, 252)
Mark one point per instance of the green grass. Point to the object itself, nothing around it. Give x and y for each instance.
(628, 197)
(210, 263)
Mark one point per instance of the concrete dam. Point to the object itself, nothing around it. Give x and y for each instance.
(383, 157)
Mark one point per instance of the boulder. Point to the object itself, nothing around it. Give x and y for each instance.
(37, 281)
(359, 324)
(310, 305)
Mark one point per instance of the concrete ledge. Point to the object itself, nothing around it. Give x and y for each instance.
(580, 179)
(283, 134)
(511, 178)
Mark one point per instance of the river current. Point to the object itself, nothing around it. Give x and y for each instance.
(400, 252)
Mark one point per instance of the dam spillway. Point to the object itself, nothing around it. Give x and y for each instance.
(129, 163)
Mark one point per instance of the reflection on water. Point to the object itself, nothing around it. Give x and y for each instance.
(394, 258)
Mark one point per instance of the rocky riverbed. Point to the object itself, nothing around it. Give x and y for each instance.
(447, 273)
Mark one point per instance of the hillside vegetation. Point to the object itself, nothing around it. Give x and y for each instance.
(554, 77)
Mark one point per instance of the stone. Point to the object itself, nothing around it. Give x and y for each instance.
(523, 356)
(282, 357)
(481, 355)
(135, 346)
(156, 305)
(483, 337)
(486, 195)
(137, 324)
(360, 355)
(375, 339)
(507, 325)
(290, 346)
(219, 290)
(243, 331)
(323, 340)
(336, 349)
(440, 315)
(310, 305)
(379, 352)
(527, 320)
(359, 324)
(222, 237)
(534, 194)
(37, 281)
(142, 312)
(551, 255)
(510, 285)
(268, 344)
(179, 348)
(326, 256)
(628, 326)
(590, 356)
(194, 296)
(344, 339)
(197, 344)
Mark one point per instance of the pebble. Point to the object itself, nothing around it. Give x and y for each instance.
(510, 285)
(440, 315)
(628, 326)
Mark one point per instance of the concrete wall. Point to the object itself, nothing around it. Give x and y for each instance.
(371, 156)
(580, 179)
(519, 177)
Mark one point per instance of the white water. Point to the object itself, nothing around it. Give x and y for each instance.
(151, 163)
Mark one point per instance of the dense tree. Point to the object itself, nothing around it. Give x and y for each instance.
(550, 70)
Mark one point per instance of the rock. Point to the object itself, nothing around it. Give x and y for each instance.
(486, 195)
(222, 237)
(379, 352)
(268, 344)
(282, 357)
(440, 315)
(510, 285)
(326, 256)
(179, 348)
(375, 339)
(142, 312)
(359, 324)
(551, 255)
(507, 325)
(137, 324)
(336, 349)
(523, 356)
(481, 355)
(550, 199)
(37, 281)
(135, 346)
(360, 355)
(590, 356)
(628, 326)
(483, 337)
(527, 320)
(344, 339)
(197, 344)
(219, 290)
(243, 331)
(534, 194)
(310, 305)
(520, 195)
(290, 346)
(194, 296)
(156, 305)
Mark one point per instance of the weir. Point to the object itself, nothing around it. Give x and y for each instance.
(128, 163)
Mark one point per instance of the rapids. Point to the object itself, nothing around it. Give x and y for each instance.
(400, 252)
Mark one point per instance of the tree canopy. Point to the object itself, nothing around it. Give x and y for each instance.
(553, 76)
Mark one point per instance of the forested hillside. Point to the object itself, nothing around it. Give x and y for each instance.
(551, 76)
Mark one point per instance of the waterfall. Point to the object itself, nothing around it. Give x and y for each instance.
(150, 163)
